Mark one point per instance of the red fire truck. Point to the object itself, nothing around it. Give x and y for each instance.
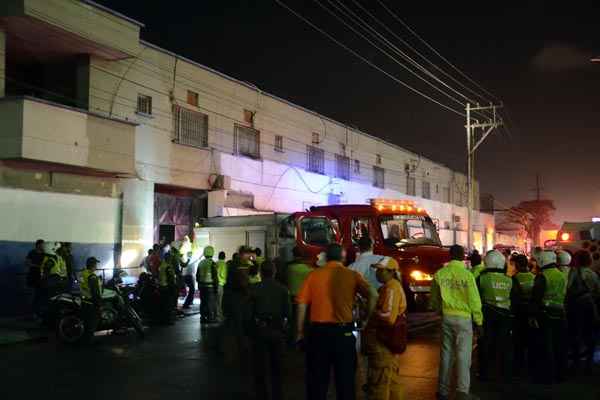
(398, 228)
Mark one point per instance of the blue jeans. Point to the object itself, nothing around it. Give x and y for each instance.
(457, 344)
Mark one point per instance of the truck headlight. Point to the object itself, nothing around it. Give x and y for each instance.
(420, 276)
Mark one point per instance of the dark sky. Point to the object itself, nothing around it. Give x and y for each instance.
(535, 57)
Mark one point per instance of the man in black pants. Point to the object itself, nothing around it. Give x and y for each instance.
(330, 342)
(271, 310)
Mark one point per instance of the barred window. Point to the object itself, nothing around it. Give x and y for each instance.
(316, 159)
(378, 177)
(247, 141)
(342, 167)
(278, 145)
(411, 186)
(426, 192)
(144, 104)
(191, 127)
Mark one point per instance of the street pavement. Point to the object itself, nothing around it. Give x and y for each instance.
(185, 361)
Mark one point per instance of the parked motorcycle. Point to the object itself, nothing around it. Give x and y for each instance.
(116, 313)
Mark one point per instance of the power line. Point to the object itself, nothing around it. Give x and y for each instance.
(397, 18)
(370, 63)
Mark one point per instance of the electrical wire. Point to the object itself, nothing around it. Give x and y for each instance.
(370, 63)
(397, 18)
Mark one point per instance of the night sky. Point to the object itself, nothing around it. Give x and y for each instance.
(532, 56)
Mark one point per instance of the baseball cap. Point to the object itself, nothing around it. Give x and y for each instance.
(386, 263)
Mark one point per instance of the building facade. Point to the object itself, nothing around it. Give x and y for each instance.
(113, 143)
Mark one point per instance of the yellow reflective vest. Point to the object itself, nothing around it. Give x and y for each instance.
(84, 285)
(54, 265)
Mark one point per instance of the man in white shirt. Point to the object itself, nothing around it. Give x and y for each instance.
(364, 261)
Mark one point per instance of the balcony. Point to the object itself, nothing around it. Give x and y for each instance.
(33, 129)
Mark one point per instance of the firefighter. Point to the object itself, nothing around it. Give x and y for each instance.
(548, 307)
(522, 335)
(498, 296)
(208, 284)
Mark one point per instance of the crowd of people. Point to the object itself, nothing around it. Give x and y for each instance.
(527, 314)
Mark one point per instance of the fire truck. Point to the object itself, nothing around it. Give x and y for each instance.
(398, 229)
(575, 236)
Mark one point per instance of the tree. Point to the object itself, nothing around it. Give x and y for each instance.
(529, 217)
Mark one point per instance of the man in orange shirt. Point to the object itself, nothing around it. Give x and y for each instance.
(330, 292)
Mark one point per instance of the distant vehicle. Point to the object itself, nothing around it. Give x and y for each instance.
(398, 228)
(574, 236)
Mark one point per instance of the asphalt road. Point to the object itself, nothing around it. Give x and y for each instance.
(184, 361)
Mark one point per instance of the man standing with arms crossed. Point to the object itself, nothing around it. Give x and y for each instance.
(330, 292)
(454, 294)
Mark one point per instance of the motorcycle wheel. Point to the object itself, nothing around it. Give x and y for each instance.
(70, 329)
(136, 321)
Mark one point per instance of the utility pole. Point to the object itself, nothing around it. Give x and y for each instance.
(487, 125)
(538, 187)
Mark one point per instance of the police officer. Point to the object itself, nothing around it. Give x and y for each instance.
(53, 269)
(563, 259)
(91, 294)
(522, 338)
(208, 284)
(167, 281)
(497, 297)
(476, 264)
(548, 307)
(271, 310)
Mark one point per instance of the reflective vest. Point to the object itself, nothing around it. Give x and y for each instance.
(556, 288)
(526, 280)
(166, 274)
(222, 272)
(84, 285)
(477, 270)
(204, 275)
(54, 265)
(495, 289)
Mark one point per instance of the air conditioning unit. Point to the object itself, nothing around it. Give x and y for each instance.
(456, 219)
(221, 182)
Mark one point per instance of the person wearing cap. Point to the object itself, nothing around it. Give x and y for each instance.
(383, 376)
(548, 312)
(454, 294)
(522, 332)
(330, 293)
(91, 295)
(208, 284)
(499, 297)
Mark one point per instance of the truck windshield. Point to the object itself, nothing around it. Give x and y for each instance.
(401, 230)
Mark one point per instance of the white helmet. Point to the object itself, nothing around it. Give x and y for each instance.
(51, 247)
(321, 259)
(546, 258)
(564, 258)
(494, 260)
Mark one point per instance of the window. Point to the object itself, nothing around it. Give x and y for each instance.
(144, 104)
(343, 149)
(446, 195)
(398, 230)
(249, 117)
(360, 228)
(437, 189)
(191, 127)
(342, 167)
(315, 138)
(247, 141)
(278, 144)
(316, 159)
(357, 166)
(192, 98)
(378, 159)
(426, 193)
(378, 177)
(317, 231)
(411, 186)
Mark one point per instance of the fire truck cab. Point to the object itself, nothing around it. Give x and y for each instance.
(575, 236)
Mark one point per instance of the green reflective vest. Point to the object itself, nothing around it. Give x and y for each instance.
(166, 273)
(526, 280)
(495, 289)
(556, 288)
(477, 270)
(297, 273)
(54, 265)
(84, 285)
(204, 275)
(222, 272)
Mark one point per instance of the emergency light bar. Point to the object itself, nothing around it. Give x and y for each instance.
(396, 205)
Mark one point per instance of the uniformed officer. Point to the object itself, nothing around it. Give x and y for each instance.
(548, 307)
(53, 269)
(91, 294)
(208, 284)
(167, 281)
(498, 296)
(476, 264)
(522, 335)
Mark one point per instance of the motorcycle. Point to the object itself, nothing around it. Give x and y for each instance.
(116, 313)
